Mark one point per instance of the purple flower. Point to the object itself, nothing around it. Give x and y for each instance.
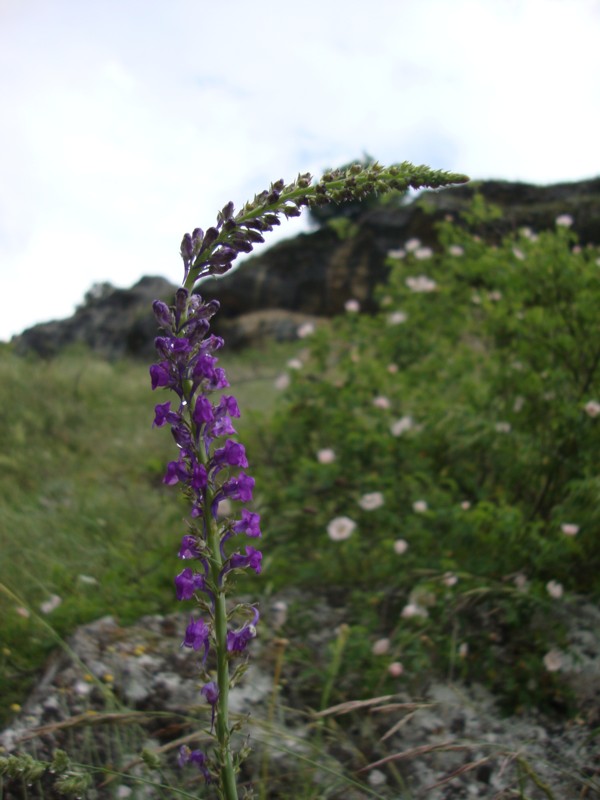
(237, 641)
(187, 583)
(252, 559)
(176, 471)
(232, 454)
(211, 692)
(187, 756)
(239, 488)
(197, 635)
(203, 411)
(160, 374)
(249, 524)
(189, 548)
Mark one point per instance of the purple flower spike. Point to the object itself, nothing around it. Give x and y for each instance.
(252, 559)
(189, 548)
(232, 454)
(211, 692)
(203, 411)
(160, 374)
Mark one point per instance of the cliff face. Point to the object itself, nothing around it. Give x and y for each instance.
(314, 274)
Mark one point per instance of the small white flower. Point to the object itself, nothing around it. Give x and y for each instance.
(553, 660)
(401, 426)
(476, 299)
(352, 306)
(282, 382)
(371, 501)
(449, 579)
(340, 528)
(381, 402)
(521, 582)
(380, 647)
(564, 220)
(82, 688)
(412, 244)
(465, 505)
(376, 778)
(294, 363)
(554, 589)
(413, 610)
(392, 368)
(23, 612)
(48, 606)
(397, 318)
(495, 296)
(326, 456)
(400, 546)
(569, 529)
(517, 253)
(518, 404)
(306, 329)
(502, 427)
(423, 253)
(420, 506)
(279, 614)
(395, 669)
(396, 253)
(456, 250)
(87, 579)
(421, 283)
(463, 650)
(592, 409)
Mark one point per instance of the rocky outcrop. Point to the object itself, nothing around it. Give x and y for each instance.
(315, 273)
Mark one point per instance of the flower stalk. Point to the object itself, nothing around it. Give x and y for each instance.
(210, 464)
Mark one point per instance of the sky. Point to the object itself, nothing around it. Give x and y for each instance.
(127, 123)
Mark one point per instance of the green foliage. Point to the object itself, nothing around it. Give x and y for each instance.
(465, 402)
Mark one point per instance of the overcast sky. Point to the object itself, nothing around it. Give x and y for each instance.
(126, 123)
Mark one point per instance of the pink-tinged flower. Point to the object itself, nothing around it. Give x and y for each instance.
(553, 660)
(569, 529)
(399, 253)
(340, 528)
(423, 253)
(449, 579)
(401, 426)
(495, 296)
(326, 456)
(306, 329)
(463, 650)
(420, 506)
(48, 606)
(518, 253)
(465, 505)
(392, 368)
(282, 382)
(23, 612)
(371, 501)
(352, 306)
(412, 245)
(554, 589)
(592, 409)
(397, 318)
(294, 363)
(400, 546)
(456, 250)
(381, 402)
(421, 283)
(380, 647)
(395, 669)
(564, 221)
(413, 610)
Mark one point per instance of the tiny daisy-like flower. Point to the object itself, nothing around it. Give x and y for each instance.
(371, 501)
(413, 610)
(397, 318)
(401, 425)
(449, 579)
(519, 254)
(380, 647)
(564, 221)
(465, 505)
(423, 253)
(592, 408)
(49, 605)
(395, 669)
(381, 402)
(553, 660)
(569, 529)
(421, 283)
(554, 589)
(306, 329)
(294, 363)
(340, 528)
(282, 382)
(352, 306)
(399, 253)
(420, 506)
(456, 250)
(326, 456)
(400, 546)
(412, 244)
